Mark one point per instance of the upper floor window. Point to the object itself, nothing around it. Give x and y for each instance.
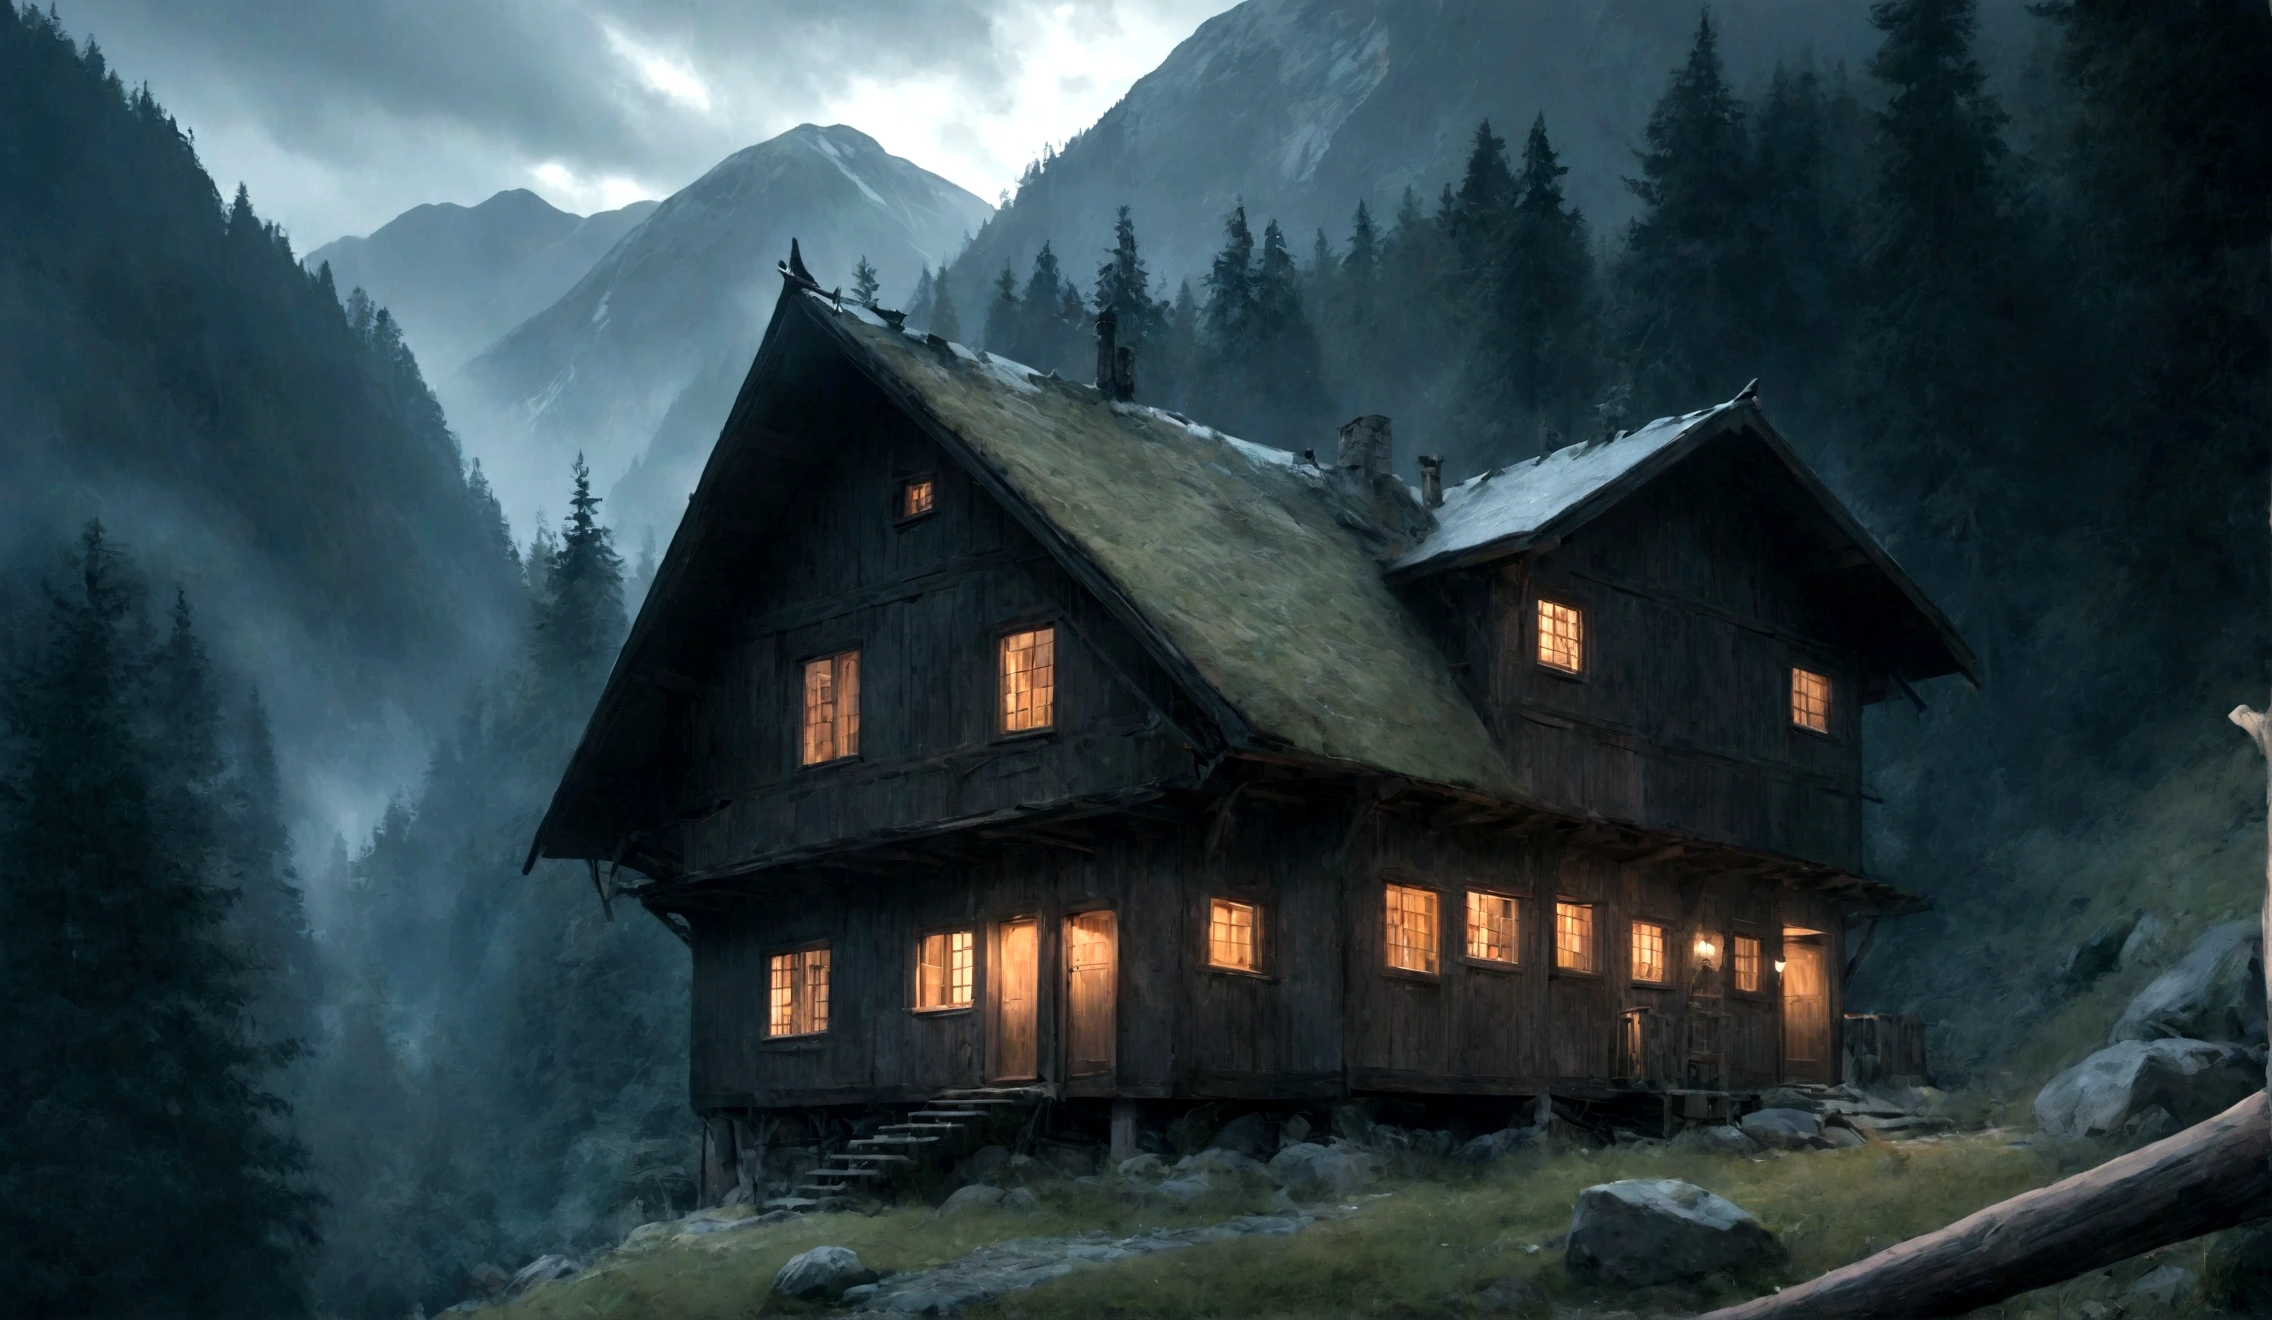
(1649, 952)
(1233, 937)
(798, 1004)
(1491, 928)
(832, 708)
(1810, 700)
(1029, 680)
(1748, 979)
(917, 496)
(1574, 937)
(1561, 637)
(1411, 931)
(946, 966)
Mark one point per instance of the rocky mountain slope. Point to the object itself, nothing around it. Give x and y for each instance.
(1302, 108)
(676, 310)
(458, 277)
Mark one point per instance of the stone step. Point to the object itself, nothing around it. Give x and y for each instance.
(962, 1114)
(921, 1127)
(791, 1203)
(826, 1172)
(858, 1143)
(876, 1156)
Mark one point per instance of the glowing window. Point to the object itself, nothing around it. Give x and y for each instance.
(1810, 700)
(1029, 680)
(1747, 964)
(1491, 928)
(1648, 951)
(1561, 637)
(1232, 940)
(945, 967)
(832, 708)
(1574, 937)
(1412, 928)
(917, 497)
(799, 1002)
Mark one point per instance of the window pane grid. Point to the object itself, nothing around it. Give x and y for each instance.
(832, 708)
(1029, 680)
(1648, 951)
(1412, 928)
(797, 993)
(1231, 935)
(1747, 964)
(1491, 928)
(944, 969)
(1810, 700)
(1574, 937)
(917, 497)
(1561, 637)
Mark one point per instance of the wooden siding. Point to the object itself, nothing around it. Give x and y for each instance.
(1697, 602)
(924, 602)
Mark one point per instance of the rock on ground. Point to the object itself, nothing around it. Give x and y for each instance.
(1143, 1166)
(822, 1274)
(977, 1196)
(1251, 1135)
(1782, 1129)
(1647, 1231)
(2166, 1286)
(2191, 1079)
(544, 1269)
(1724, 1139)
(2215, 992)
(1311, 1172)
(984, 1165)
(1497, 1145)
(1218, 1160)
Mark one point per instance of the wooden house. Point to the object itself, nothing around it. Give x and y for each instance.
(982, 727)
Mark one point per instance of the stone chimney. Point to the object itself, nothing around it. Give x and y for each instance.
(1431, 481)
(1367, 444)
(1116, 363)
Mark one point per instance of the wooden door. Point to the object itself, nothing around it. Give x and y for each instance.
(1092, 965)
(1013, 1054)
(1806, 1009)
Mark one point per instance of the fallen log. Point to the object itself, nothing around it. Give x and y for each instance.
(2210, 1176)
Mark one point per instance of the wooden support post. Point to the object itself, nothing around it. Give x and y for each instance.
(1124, 1114)
(2258, 726)
(2208, 1177)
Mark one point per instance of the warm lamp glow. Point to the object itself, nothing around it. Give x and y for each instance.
(1706, 951)
(1778, 966)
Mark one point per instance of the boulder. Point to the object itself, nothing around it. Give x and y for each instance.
(488, 1280)
(2237, 1273)
(2215, 992)
(2165, 1287)
(1723, 1139)
(2098, 955)
(1143, 1166)
(1647, 1231)
(1838, 1137)
(1019, 1201)
(1312, 1172)
(2145, 943)
(1185, 1189)
(1214, 1160)
(1782, 1129)
(1293, 1131)
(2192, 1079)
(1497, 1145)
(1783, 1097)
(1352, 1123)
(984, 1165)
(1251, 1135)
(977, 1196)
(1513, 1295)
(544, 1269)
(822, 1274)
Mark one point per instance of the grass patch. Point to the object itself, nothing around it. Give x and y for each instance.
(1424, 1249)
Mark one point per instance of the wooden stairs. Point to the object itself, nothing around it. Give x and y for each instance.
(866, 1163)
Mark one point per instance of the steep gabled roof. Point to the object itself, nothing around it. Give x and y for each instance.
(1527, 505)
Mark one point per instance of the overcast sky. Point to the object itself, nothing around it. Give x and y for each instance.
(340, 114)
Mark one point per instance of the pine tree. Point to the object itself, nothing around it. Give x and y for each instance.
(1364, 247)
(1124, 285)
(1532, 365)
(1044, 335)
(136, 1098)
(579, 619)
(1230, 288)
(1486, 189)
(1004, 317)
(864, 282)
(944, 322)
(1693, 252)
(923, 301)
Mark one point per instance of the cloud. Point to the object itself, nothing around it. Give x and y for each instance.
(342, 113)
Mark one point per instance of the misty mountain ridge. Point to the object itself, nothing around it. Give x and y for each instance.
(457, 278)
(664, 325)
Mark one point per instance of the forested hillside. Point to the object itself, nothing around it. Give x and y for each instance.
(170, 369)
(2032, 355)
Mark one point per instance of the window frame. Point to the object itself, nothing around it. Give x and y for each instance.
(796, 1038)
(900, 517)
(800, 727)
(1262, 943)
(915, 971)
(1759, 942)
(1435, 950)
(1830, 702)
(1514, 960)
(1535, 631)
(998, 675)
(1593, 938)
(1670, 972)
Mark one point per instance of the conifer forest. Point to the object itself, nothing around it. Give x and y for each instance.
(287, 683)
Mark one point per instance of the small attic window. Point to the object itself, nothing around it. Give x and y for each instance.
(1233, 937)
(1029, 680)
(1810, 700)
(832, 708)
(918, 496)
(1561, 637)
